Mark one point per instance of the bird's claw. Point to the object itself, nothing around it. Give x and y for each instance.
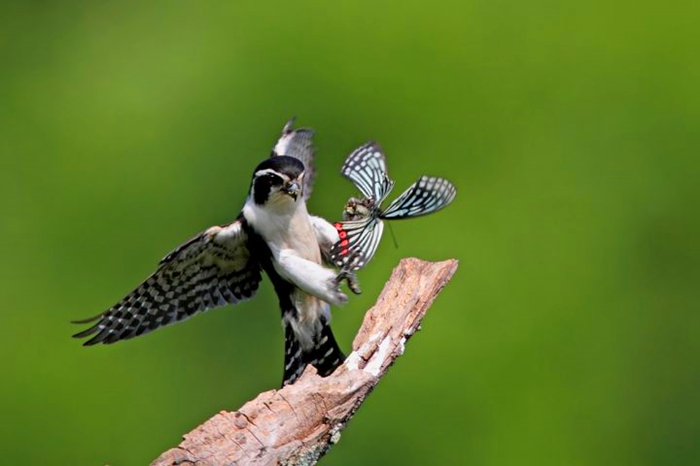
(349, 277)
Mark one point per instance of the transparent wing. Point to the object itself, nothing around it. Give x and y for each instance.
(358, 242)
(427, 195)
(298, 143)
(366, 168)
(210, 270)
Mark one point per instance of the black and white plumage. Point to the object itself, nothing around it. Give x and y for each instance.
(361, 229)
(212, 269)
(273, 233)
(298, 143)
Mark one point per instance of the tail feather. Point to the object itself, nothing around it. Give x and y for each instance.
(325, 355)
(293, 358)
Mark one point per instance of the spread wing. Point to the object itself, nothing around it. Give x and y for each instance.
(427, 195)
(366, 168)
(358, 242)
(297, 143)
(210, 270)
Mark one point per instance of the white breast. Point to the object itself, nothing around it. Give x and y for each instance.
(291, 233)
(288, 229)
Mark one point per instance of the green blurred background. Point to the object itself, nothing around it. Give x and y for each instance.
(570, 334)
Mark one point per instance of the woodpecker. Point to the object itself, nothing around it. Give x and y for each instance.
(275, 234)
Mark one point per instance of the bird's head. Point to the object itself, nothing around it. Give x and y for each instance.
(278, 181)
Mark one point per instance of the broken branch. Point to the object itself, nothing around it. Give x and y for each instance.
(297, 424)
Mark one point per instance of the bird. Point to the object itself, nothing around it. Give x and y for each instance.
(273, 234)
(361, 230)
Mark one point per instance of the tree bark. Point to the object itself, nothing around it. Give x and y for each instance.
(297, 424)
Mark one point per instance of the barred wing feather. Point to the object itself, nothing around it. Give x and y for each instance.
(212, 269)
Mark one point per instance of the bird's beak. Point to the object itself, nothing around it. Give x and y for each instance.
(292, 189)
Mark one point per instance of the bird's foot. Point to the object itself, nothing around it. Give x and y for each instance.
(349, 277)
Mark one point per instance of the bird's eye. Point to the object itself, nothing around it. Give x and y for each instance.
(274, 179)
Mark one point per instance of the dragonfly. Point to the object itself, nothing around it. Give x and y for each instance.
(361, 229)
